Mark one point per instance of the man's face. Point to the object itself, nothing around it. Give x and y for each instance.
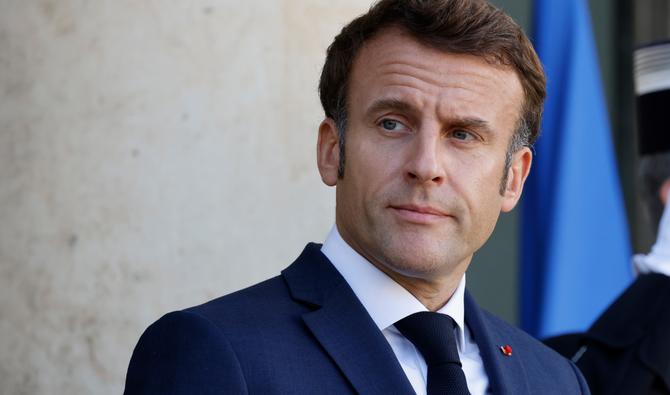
(426, 138)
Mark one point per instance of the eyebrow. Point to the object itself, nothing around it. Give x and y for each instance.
(474, 123)
(392, 104)
(404, 107)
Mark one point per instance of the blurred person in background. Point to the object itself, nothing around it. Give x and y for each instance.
(627, 349)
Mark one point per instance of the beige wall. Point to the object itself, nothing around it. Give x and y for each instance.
(153, 155)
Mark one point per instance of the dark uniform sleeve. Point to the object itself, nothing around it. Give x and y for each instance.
(184, 353)
(583, 386)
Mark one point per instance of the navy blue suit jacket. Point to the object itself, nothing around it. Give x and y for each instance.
(305, 332)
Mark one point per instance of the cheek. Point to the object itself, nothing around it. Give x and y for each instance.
(477, 179)
(374, 166)
(478, 168)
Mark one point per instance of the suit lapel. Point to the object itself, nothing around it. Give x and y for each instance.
(506, 373)
(343, 327)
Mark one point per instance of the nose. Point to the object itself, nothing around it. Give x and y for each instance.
(424, 164)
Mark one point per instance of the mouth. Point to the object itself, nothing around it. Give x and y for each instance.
(419, 214)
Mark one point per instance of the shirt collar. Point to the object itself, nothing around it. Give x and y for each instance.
(384, 299)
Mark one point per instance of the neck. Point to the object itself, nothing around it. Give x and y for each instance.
(432, 292)
(432, 286)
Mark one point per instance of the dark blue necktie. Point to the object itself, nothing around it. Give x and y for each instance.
(433, 335)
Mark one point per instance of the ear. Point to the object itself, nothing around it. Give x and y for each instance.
(664, 190)
(516, 177)
(328, 151)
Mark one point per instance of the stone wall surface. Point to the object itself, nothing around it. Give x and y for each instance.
(153, 155)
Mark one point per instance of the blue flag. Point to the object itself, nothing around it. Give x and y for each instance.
(575, 246)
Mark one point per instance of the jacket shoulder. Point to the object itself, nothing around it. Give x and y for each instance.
(265, 303)
(181, 353)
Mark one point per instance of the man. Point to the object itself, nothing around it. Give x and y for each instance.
(430, 110)
(627, 350)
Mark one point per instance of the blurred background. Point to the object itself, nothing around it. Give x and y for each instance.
(155, 155)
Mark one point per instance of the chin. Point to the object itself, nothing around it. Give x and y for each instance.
(421, 261)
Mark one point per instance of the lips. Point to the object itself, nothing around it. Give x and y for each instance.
(419, 214)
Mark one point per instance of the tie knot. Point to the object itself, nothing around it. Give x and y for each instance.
(433, 335)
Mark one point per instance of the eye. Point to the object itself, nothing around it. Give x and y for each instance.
(391, 125)
(461, 134)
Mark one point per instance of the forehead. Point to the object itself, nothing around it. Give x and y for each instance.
(394, 65)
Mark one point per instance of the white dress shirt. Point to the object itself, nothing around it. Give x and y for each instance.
(658, 259)
(388, 302)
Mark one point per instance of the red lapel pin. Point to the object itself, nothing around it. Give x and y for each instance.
(506, 350)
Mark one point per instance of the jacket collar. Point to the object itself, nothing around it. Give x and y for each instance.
(342, 326)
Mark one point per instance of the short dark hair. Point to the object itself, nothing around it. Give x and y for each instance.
(458, 26)
(653, 169)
